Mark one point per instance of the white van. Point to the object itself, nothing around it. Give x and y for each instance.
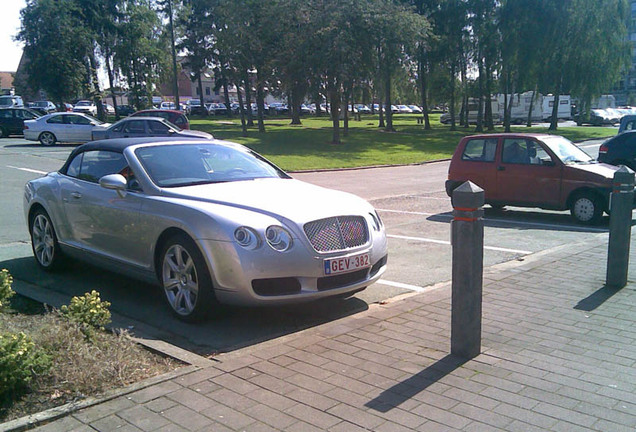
(520, 107)
(565, 107)
(10, 101)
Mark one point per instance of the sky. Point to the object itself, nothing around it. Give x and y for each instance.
(10, 51)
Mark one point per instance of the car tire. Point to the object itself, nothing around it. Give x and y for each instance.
(185, 279)
(586, 208)
(47, 139)
(46, 248)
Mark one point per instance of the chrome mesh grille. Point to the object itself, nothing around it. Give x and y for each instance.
(337, 233)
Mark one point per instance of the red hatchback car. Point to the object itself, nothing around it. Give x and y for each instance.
(175, 117)
(533, 170)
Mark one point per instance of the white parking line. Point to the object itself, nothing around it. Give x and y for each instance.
(427, 240)
(28, 170)
(507, 221)
(404, 286)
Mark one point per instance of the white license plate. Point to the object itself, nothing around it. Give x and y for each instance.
(346, 264)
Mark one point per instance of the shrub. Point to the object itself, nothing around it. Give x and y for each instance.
(88, 311)
(6, 292)
(19, 362)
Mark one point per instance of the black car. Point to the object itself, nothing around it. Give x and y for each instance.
(12, 120)
(124, 110)
(619, 150)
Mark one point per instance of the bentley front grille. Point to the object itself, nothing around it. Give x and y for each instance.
(337, 233)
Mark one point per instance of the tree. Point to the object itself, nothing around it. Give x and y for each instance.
(140, 50)
(56, 42)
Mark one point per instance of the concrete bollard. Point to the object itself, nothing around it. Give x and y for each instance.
(621, 200)
(467, 238)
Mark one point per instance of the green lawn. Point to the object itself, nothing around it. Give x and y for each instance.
(307, 147)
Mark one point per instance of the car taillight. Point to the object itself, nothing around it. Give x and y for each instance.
(24, 127)
(603, 149)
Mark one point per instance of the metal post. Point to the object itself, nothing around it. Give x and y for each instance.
(467, 238)
(620, 227)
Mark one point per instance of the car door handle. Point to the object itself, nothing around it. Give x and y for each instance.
(76, 195)
(501, 168)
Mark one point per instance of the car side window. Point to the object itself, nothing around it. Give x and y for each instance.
(5, 113)
(515, 151)
(97, 164)
(135, 126)
(73, 169)
(81, 120)
(482, 150)
(56, 119)
(158, 127)
(630, 125)
(180, 121)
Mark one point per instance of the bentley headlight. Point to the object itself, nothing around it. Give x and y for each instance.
(247, 237)
(278, 238)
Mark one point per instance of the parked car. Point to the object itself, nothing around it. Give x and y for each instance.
(628, 123)
(12, 120)
(43, 107)
(193, 106)
(619, 150)
(124, 110)
(135, 126)
(167, 105)
(415, 109)
(86, 107)
(110, 110)
(363, 109)
(178, 118)
(403, 109)
(67, 107)
(533, 170)
(278, 108)
(209, 221)
(61, 127)
(9, 101)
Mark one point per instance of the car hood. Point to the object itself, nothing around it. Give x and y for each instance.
(600, 169)
(287, 198)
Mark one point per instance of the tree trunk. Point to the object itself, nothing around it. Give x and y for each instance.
(480, 89)
(532, 99)
(296, 101)
(248, 99)
(111, 82)
(555, 108)
(381, 123)
(260, 103)
(490, 125)
(97, 92)
(387, 101)
(345, 102)
(226, 94)
(317, 100)
(452, 98)
(175, 76)
(424, 90)
(334, 99)
(242, 111)
(200, 87)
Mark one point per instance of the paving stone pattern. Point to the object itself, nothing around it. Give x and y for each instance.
(558, 353)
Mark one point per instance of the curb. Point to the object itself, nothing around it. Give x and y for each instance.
(43, 417)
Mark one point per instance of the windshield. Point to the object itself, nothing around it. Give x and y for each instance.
(201, 163)
(566, 151)
(83, 103)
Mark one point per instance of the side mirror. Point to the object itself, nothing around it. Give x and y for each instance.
(116, 182)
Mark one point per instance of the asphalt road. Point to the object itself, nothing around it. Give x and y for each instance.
(410, 199)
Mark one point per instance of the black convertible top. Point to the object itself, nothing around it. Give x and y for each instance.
(119, 144)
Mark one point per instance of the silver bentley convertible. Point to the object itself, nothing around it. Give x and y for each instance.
(211, 221)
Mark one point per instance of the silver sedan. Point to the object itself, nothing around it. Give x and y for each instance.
(211, 221)
(61, 127)
(131, 127)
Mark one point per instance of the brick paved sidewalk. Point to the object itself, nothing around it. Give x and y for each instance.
(558, 353)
